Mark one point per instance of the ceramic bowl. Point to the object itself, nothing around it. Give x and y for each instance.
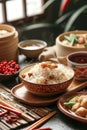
(8, 77)
(63, 49)
(78, 61)
(8, 70)
(45, 89)
(67, 109)
(32, 48)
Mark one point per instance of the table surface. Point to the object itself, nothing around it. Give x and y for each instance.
(59, 121)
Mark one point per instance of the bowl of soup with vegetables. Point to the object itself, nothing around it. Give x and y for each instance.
(72, 41)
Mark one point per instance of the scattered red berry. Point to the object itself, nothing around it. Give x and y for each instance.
(9, 67)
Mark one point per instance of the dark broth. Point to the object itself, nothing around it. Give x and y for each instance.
(79, 58)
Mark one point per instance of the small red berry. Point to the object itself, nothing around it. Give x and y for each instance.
(9, 67)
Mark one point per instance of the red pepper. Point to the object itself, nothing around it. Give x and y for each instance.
(11, 119)
(64, 5)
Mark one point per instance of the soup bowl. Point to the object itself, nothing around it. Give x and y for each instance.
(72, 41)
(78, 62)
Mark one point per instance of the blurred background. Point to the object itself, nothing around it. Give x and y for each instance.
(44, 19)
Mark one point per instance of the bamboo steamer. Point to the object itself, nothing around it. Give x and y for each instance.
(8, 43)
(63, 50)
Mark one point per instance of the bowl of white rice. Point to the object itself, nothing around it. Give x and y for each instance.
(46, 78)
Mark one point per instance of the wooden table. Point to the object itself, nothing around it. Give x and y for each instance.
(57, 122)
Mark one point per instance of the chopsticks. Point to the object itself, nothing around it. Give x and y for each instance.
(11, 110)
(41, 121)
(24, 115)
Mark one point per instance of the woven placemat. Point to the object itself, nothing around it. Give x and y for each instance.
(34, 114)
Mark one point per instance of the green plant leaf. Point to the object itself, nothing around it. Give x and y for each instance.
(47, 4)
(64, 17)
(74, 17)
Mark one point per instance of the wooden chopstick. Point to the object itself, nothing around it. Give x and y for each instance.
(25, 116)
(10, 109)
(41, 121)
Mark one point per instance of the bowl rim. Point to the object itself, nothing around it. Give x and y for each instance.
(58, 41)
(32, 40)
(10, 74)
(45, 84)
(74, 53)
(8, 28)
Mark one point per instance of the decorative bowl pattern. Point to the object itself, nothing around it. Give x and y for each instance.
(44, 89)
(78, 61)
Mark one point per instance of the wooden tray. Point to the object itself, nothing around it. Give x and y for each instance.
(76, 86)
(20, 92)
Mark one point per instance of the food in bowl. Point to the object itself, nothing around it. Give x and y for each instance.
(78, 61)
(46, 78)
(77, 104)
(8, 69)
(47, 73)
(6, 31)
(32, 48)
(72, 41)
(75, 40)
(3, 32)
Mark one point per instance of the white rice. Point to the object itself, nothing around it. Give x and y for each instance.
(42, 75)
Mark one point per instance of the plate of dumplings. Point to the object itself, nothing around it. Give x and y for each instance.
(74, 105)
